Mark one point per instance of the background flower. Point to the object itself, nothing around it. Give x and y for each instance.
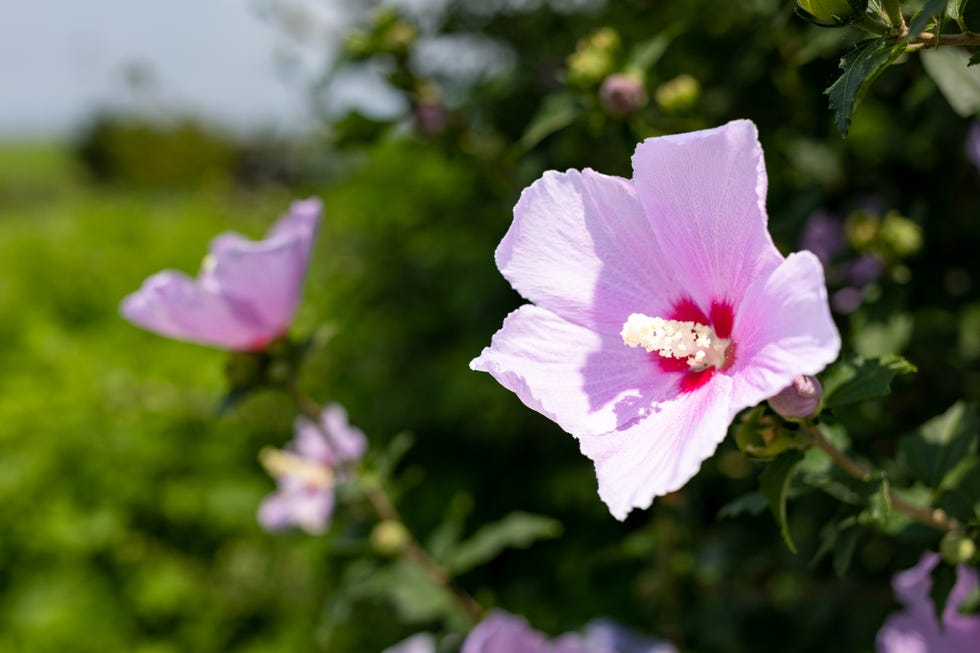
(307, 470)
(685, 240)
(916, 629)
(245, 294)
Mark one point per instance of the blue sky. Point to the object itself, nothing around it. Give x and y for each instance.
(60, 59)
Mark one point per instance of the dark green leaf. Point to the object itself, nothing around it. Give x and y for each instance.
(971, 603)
(879, 503)
(858, 379)
(557, 112)
(415, 596)
(516, 530)
(943, 579)
(751, 503)
(960, 489)
(921, 19)
(937, 446)
(954, 9)
(647, 53)
(774, 484)
(861, 67)
(844, 549)
(974, 60)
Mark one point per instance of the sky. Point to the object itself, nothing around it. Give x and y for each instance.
(222, 59)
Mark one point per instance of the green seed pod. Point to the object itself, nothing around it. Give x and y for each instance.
(956, 548)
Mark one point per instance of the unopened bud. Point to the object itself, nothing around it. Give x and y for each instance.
(800, 400)
(622, 95)
(679, 94)
(956, 548)
(389, 537)
(827, 9)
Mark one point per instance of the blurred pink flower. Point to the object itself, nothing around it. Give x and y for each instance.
(245, 294)
(661, 308)
(501, 632)
(916, 630)
(307, 470)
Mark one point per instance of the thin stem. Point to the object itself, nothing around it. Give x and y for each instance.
(931, 40)
(935, 518)
(386, 511)
(894, 10)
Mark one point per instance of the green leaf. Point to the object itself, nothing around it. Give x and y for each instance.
(415, 596)
(861, 67)
(943, 579)
(751, 503)
(774, 485)
(647, 53)
(516, 530)
(557, 111)
(937, 446)
(959, 84)
(974, 60)
(930, 10)
(858, 379)
(954, 9)
(844, 550)
(879, 503)
(960, 490)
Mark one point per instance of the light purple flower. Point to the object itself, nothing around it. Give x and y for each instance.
(307, 470)
(973, 144)
(916, 630)
(661, 308)
(245, 294)
(823, 234)
(501, 632)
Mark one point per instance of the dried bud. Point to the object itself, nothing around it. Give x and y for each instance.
(622, 95)
(800, 400)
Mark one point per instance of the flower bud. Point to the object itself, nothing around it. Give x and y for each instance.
(622, 95)
(956, 548)
(800, 400)
(827, 9)
(389, 537)
(679, 94)
(594, 58)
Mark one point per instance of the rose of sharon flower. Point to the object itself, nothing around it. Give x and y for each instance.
(246, 292)
(501, 632)
(307, 470)
(661, 308)
(916, 630)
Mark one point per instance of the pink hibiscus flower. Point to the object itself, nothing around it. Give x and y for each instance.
(661, 308)
(246, 293)
(307, 470)
(916, 630)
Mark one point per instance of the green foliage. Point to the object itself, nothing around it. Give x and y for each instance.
(774, 485)
(516, 530)
(854, 380)
(861, 67)
(940, 444)
(931, 10)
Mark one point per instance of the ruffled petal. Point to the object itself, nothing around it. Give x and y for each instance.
(661, 452)
(783, 328)
(174, 305)
(587, 382)
(704, 193)
(581, 247)
(267, 275)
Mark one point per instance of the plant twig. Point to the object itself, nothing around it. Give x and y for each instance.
(932, 40)
(935, 518)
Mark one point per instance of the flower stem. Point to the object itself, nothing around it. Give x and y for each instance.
(935, 518)
(383, 506)
(893, 9)
(931, 40)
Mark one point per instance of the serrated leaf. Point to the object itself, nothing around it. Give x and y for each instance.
(959, 84)
(936, 447)
(859, 379)
(921, 18)
(774, 485)
(751, 503)
(516, 530)
(861, 67)
(557, 111)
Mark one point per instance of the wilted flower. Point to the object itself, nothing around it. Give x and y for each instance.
(246, 292)
(916, 630)
(307, 470)
(661, 308)
(501, 632)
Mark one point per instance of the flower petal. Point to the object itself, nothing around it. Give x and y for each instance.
(783, 328)
(589, 383)
(704, 193)
(172, 304)
(500, 632)
(267, 275)
(346, 442)
(581, 247)
(661, 452)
